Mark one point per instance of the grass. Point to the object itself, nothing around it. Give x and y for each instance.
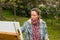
(53, 26)
(53, 29)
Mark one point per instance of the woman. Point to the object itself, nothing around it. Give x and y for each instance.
(35, 27)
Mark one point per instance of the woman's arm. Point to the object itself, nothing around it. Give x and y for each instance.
(23, 28)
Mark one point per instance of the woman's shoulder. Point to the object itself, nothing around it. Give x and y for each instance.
(42, 21)
(27, 22)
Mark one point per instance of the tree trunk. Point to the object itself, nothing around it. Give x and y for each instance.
(0, 12)
(36, 3)
(14, 10)
(15, 13)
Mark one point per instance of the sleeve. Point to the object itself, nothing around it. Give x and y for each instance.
(45, 32)
(23, 28)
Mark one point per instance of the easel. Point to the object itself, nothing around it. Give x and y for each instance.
(10, 28)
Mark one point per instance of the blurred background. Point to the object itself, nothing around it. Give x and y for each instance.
(19, 10)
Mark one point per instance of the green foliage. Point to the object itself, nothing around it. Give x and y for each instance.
(43, 11)
(23, 7)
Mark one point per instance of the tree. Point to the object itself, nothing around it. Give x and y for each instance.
(1, 5)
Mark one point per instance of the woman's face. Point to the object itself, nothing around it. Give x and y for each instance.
(34, 15)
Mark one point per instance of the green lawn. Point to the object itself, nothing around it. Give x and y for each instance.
(53, 26)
